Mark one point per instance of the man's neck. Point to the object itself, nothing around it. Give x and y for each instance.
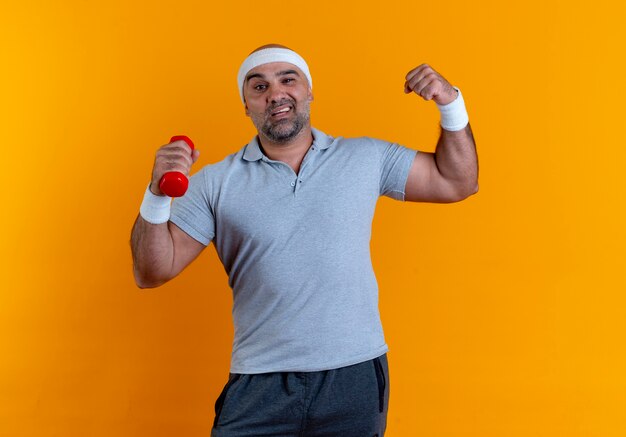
(291, 153)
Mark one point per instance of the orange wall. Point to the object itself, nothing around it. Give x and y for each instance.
(505, 313)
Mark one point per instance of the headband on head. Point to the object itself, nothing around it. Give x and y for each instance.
(266, 56)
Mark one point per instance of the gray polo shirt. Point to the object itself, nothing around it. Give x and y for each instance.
(296, 249)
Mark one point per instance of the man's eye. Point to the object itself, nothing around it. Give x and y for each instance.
(259, 87)
(289, 79)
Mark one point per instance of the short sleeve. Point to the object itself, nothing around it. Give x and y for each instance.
(395, 164)
(192, 212)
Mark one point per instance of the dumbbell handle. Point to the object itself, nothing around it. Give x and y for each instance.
(174, 183)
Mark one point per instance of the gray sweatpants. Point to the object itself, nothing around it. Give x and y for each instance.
(350, 401)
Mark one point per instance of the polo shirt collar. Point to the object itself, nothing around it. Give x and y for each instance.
(253, 149)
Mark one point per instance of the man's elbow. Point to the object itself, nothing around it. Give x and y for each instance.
(466, 191)
(144, 282)
(145, 285)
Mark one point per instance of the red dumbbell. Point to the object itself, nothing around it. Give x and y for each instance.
(174, 183)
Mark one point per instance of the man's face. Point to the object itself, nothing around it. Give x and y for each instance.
(278, 100)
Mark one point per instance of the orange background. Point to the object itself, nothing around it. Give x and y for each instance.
(505, 314)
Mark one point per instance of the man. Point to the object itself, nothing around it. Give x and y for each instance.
(290, 215)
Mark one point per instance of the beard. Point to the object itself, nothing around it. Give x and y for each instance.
(286, 129)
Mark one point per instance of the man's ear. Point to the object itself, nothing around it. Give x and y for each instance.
(310, 94)
(246, 107)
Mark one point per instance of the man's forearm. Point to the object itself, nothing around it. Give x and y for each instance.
(153, 253)
(457, 159)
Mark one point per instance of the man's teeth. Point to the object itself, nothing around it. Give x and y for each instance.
(282, 110)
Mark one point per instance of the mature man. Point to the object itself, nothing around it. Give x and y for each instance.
(290, 215)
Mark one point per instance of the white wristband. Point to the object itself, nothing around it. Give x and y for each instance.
(155, 209)
(453, 115)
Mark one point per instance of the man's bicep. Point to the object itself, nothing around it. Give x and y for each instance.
(186, 248)
(426, 184)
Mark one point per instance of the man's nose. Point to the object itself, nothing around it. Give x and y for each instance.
(277, 93)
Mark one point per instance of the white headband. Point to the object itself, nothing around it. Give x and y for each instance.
(266, 56)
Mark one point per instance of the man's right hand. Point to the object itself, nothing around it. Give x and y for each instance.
(161, 252)
(175, 156)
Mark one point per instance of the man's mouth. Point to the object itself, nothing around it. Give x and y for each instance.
(281, 110)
